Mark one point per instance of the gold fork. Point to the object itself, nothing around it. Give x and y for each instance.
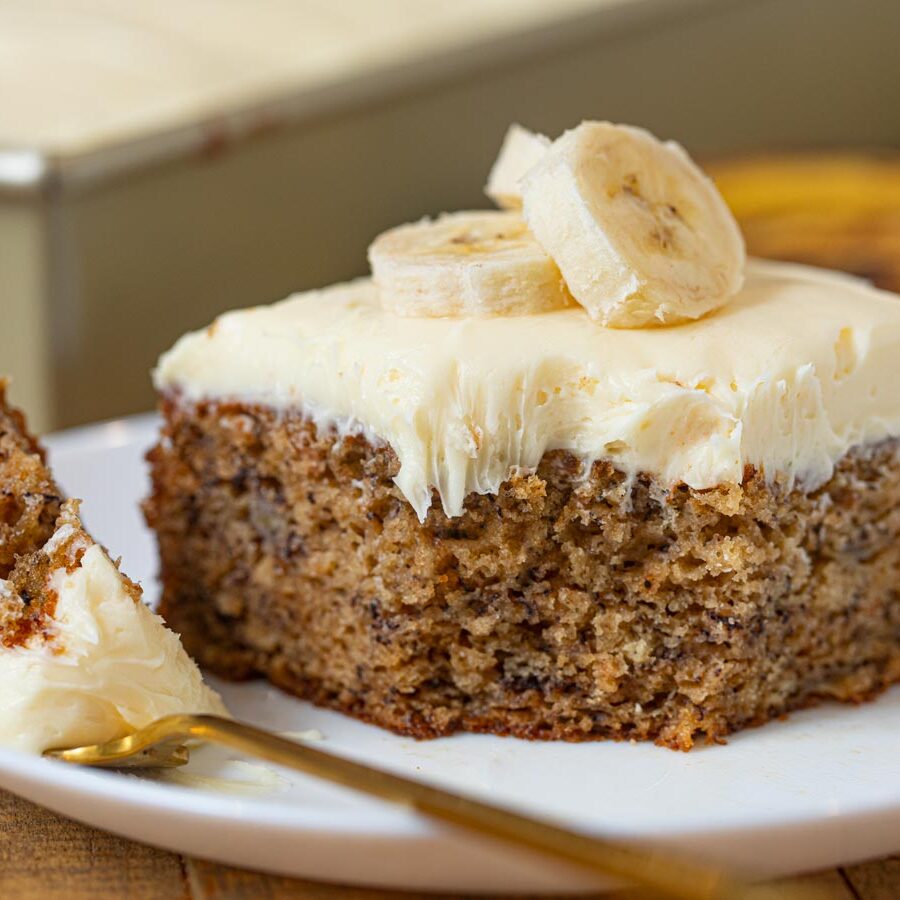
(161, 743)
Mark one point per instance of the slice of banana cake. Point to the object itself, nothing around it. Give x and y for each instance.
(82, 660)
(453, 497)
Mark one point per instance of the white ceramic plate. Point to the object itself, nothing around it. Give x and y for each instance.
(818, 790)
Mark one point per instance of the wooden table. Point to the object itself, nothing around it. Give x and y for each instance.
(44, 856)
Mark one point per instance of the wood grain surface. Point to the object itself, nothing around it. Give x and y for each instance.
(44, 856)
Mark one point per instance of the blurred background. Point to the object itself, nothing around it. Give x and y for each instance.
(162, 162)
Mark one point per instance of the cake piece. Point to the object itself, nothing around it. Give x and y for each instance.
(535, 525)
(442, 500)
(82, 659)
(30, 501)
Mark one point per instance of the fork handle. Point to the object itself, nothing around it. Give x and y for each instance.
(661, 874)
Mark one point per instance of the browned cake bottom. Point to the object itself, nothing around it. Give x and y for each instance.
(563, 608)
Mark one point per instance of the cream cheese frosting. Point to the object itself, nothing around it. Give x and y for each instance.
(798, 368)
(102, 666)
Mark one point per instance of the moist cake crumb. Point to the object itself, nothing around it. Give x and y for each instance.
(568, 605)
(30, 500)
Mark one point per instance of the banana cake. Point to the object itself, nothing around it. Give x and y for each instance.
(412, 499)
(82, 660)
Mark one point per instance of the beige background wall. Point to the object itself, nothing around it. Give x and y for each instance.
(25, 345)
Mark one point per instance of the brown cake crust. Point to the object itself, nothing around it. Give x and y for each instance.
(28, 602)
(30, 500)
(30, 507)
(570, 605)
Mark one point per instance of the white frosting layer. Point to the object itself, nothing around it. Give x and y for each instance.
(796, 369)
(105, 666)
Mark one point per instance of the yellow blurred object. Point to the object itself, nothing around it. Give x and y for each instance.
(837, 210)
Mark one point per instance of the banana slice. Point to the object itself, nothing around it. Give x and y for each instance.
(520, 150)
(465, 264)
(640, 234)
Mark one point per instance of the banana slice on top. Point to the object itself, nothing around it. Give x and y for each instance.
(520, 150)
(640, 234)
(465, 264)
